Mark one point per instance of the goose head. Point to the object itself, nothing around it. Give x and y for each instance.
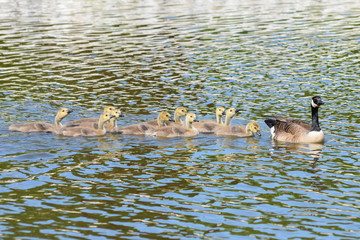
(316, 102)
(105, 117)
(117, 113)
(190, 118)
(220, 111)
(63, 112)
(254, 128)
(230, 113)
(180, 111)
(108, 109)
(165, 116)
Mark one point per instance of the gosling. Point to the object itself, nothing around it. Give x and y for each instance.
(88, 131)
(43, 126)
(144, 128)
(85, 121)
(249, 130)
(178, 130)
(210, 126)
(178, 114)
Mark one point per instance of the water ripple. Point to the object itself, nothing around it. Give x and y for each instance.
(263, 57)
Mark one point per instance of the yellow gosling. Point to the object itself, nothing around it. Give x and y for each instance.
(87, 131)
(42, 126)
(239, 131)
(144, 128)
(85, 121)
(179, 130)
(209, 126)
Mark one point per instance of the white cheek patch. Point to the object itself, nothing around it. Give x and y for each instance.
(313, 104)
(272, 131)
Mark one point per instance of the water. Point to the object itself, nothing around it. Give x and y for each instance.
(144, 57)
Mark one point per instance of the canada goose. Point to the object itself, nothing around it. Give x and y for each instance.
(209, 126)
(179, 130)
(85, 121)
(297, 131)
(42, 126)
(145, 128)
(239, 131)
(88, 131)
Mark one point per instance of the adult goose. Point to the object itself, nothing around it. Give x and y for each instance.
(297, 131)
(42, 126)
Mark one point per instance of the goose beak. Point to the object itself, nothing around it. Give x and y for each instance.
(320, 103)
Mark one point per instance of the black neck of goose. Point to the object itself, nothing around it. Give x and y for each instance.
(315, 119)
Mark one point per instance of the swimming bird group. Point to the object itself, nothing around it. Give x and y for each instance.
(281, 128)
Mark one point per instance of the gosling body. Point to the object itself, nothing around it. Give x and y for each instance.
(86, 122)
(88, 131)
(187, 130)
(210, 126)
(163, 119)
(249, 130)
(43, 126)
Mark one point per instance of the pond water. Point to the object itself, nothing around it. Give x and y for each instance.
(147, 56)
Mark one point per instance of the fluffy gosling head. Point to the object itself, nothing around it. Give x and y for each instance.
(63, 112)
(180, 111)
(191, 117)
(165, 116)
(117, 113)
(105, 117)
(316, 102)
(231, 112)
(108, 109)
(220, 111)
(254, 128)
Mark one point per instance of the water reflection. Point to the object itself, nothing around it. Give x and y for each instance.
(143, 57)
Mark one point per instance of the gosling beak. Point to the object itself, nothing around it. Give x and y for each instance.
(112, 116)
(237, 110)
(195, 120)
(258, 133)
(224, 113)
(171, 120)
(69, 111)
(121, 115)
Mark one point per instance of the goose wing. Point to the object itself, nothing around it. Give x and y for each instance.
(299, 122)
